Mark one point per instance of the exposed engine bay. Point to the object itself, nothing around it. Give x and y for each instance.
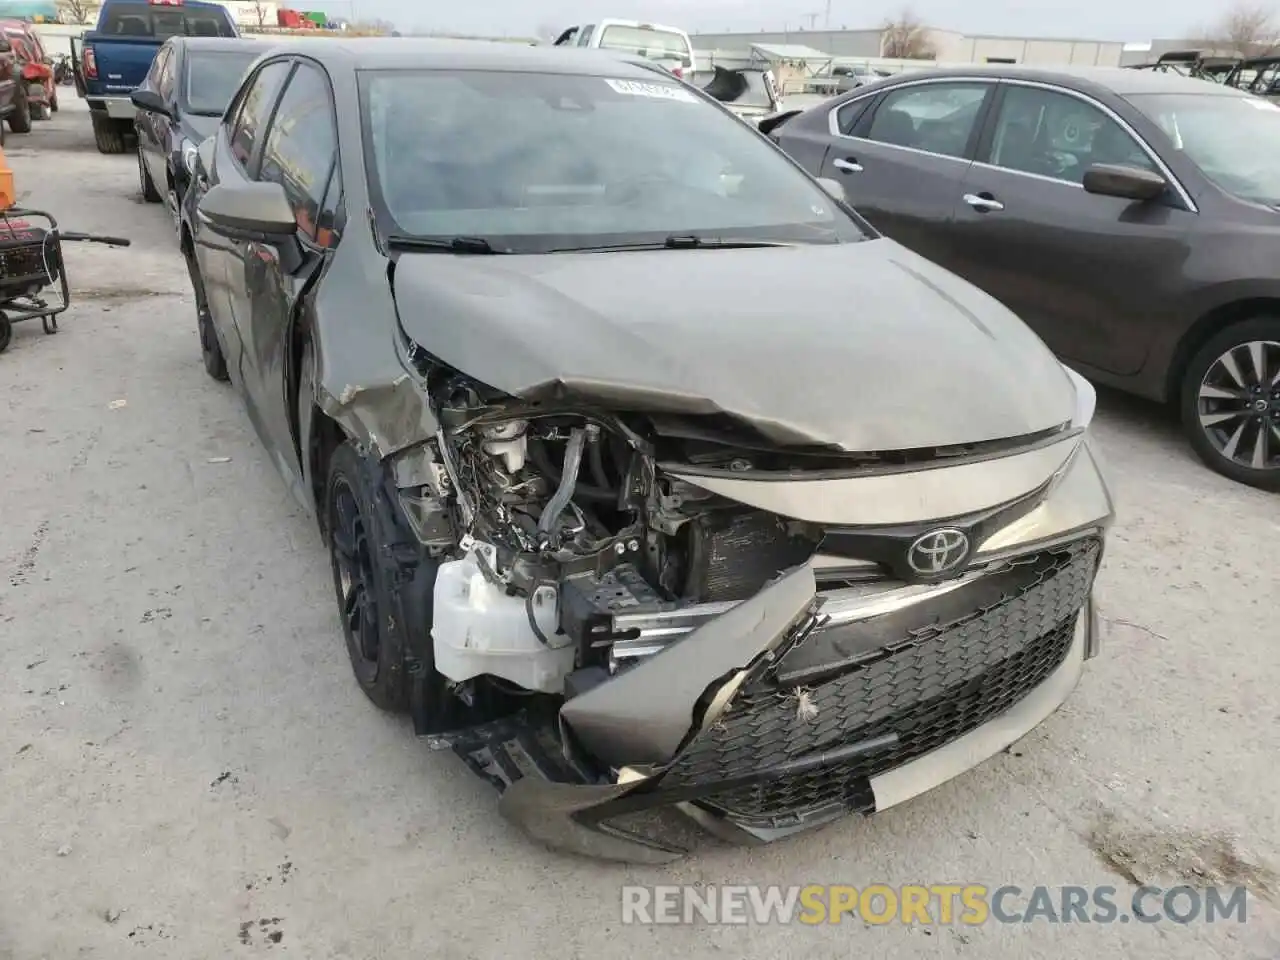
(568, 526)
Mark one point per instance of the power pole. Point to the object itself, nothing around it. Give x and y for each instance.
(826, 23)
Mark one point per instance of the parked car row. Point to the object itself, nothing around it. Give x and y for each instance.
(1131, 218)
(113, 59)
(28, 89)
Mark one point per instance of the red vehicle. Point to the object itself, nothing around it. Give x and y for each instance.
(37, 96)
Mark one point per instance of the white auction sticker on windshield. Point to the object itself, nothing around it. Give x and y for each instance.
(655, 91)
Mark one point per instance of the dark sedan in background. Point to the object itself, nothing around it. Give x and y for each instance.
(179, 105)
(1132, 218)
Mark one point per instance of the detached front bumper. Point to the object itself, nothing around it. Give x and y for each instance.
(803, 704)
(852, 716)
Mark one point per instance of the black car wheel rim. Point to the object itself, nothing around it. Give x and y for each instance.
(1239, 404)
(353, 580)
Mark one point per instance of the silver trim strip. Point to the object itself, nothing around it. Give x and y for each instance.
(959, 756)
(1124, 125)
(914, 497)
(833, 124)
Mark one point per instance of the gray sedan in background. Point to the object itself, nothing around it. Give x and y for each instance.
(1131, 217)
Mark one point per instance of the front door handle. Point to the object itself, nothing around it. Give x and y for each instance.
(983, 203)
(847, 166)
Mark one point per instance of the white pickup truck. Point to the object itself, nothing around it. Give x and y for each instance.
(752, 93)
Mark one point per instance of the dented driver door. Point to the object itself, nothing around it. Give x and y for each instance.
(299, 153)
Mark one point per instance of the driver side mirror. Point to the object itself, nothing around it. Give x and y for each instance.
(256, 211)
(1128, 183)
(150, 102)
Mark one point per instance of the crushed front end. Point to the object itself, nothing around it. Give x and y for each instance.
(689, 621)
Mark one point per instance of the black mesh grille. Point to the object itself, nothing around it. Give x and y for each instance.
(930, 688)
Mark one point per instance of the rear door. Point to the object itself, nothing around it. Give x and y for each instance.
(903, 155)
(1087, 272)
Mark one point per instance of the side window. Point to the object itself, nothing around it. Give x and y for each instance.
(936, 117)
(302, 145)
(255, 108)
(847, 117)
(329, 223)
(1057, 135)
(584, 38)
(168, 71)
(157, 67)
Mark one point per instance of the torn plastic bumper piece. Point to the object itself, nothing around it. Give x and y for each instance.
(645, 722)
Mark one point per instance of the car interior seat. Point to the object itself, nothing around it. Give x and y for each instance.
(896, 127)
(1112, 145)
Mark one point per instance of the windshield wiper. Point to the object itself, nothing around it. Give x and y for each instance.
(679, 242)
(451, 245)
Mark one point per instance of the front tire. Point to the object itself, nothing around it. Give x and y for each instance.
(215, 364)
(6, 332)
(20, 117)
(53, 100)
(363, 578)
(1230, 402)
(145, 184)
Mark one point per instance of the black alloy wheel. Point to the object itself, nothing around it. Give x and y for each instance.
(361, 582)
(1231, 403)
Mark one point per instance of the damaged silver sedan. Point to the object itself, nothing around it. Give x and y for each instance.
(656, 483)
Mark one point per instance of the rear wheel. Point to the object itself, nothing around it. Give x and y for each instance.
(1231, 402)
(53, 100)
(107, 135)
(6, 332)
(20, 116)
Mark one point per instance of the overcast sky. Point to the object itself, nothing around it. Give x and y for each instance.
(1086, 19)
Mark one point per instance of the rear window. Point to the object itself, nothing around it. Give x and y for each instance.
(646, 42)
(164, 21)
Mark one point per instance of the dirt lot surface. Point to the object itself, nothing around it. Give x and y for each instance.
(187, 769)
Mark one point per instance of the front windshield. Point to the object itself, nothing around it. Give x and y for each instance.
(213, 78)
(533, 162)
(1234, 140)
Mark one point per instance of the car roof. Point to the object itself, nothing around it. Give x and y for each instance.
(219, 43)
(1120, 81)
(415, 53)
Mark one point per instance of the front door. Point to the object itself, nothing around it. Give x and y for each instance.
(238, 155)
(903, 158)
(1085, 271)
(301, 154)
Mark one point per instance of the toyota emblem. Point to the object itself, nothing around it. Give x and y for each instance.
(938, 552)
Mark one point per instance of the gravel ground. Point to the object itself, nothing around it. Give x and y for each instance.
(187, 769)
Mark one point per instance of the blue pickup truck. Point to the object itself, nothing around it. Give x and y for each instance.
(113, 58)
